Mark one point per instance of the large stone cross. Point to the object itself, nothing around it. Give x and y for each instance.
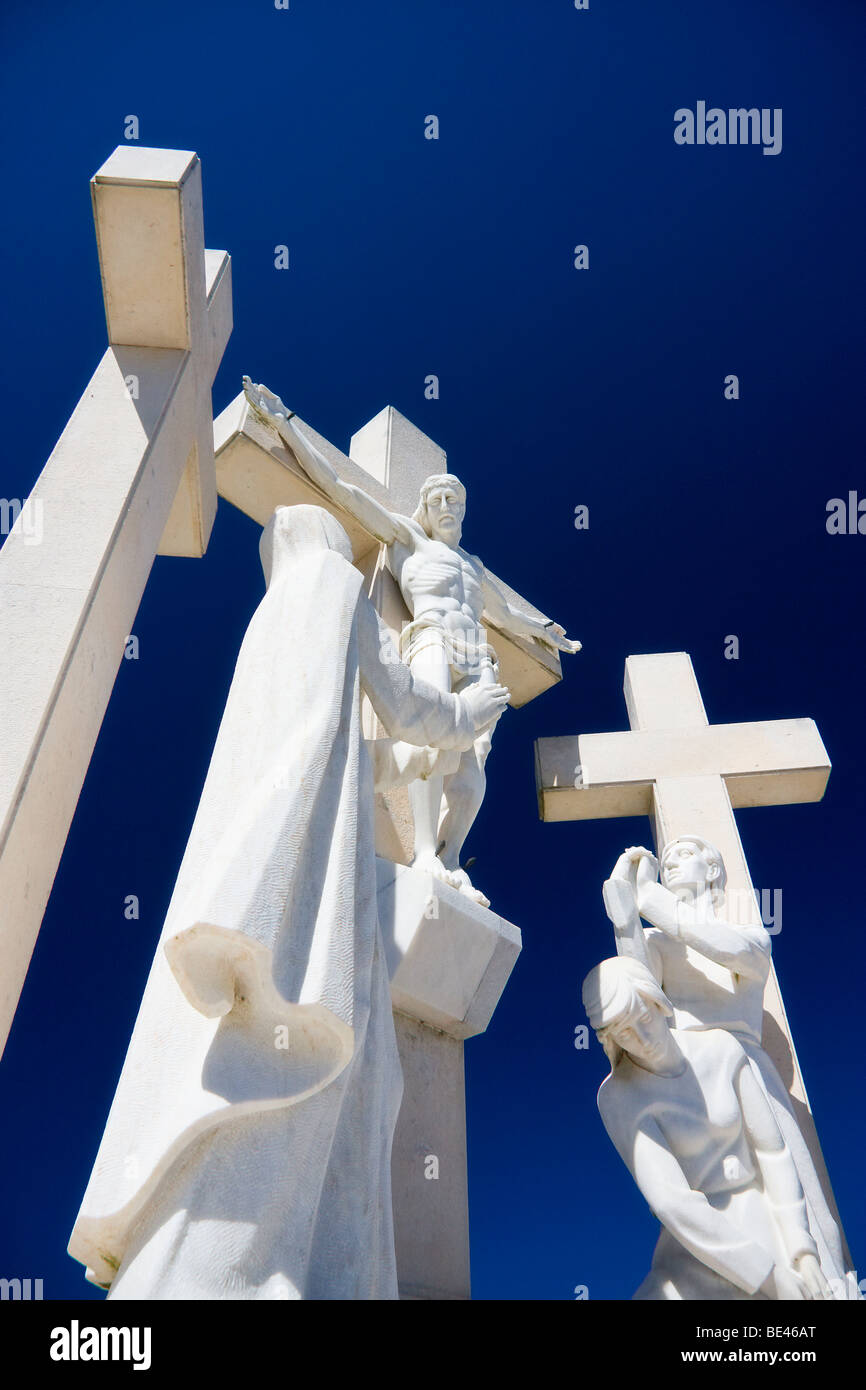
(132, 475)
(449, 959)
(688, 776)
(389, 458)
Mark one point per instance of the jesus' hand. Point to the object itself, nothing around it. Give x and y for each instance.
(554, 636)
(264, 402)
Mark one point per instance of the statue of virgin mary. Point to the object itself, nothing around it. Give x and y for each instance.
(247, 1151)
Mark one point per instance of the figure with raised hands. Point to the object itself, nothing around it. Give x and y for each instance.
(691, 1122)
(713, 974)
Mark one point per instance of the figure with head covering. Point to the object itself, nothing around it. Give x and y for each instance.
(448, 592)
(692, 1123)
(713, 972)
(248, 1149)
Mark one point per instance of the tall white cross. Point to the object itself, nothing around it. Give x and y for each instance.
(131, 476)
(389, 458)
(688, 775)
(449, 959)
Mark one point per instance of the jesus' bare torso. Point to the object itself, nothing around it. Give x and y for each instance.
(448, 592)
(434, 578)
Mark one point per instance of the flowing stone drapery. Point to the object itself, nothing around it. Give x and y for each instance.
(247, 1152)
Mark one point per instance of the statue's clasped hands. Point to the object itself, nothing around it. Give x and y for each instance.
(636, 865)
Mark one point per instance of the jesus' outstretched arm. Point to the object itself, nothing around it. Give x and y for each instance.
(511, 619)
(384, 525)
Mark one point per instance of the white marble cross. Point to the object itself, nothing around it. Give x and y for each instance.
(131, 476)
(449, 959)
(389, 458)
(688, 776)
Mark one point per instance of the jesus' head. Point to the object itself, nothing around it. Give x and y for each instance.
(442, 507)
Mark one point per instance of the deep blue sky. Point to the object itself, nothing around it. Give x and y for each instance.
(605, 387)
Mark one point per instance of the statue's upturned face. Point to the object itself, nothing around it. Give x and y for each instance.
(445, 512)
(644, 1034)
(686, 868)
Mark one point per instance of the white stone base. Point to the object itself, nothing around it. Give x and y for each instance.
(431, 1214)
(449, 960)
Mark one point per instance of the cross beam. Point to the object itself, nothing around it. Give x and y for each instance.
(131, 475)
(773, 763)
(389, 458)
(687, 775)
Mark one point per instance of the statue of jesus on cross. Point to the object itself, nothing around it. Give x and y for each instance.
(447, 591)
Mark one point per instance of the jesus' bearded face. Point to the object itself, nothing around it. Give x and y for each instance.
(445, 512)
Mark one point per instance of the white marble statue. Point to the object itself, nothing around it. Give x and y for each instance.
(714, 973)
(691, 1121)
(447, 591)
(247, 1152)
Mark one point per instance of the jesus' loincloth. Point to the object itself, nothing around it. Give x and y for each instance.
(465, 650)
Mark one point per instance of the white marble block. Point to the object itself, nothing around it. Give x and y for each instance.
(428, 1166)
(449, 960)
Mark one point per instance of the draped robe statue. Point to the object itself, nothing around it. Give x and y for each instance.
(247, 1152)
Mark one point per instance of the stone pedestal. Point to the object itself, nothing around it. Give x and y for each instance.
(449, 961)
(431, 1214)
